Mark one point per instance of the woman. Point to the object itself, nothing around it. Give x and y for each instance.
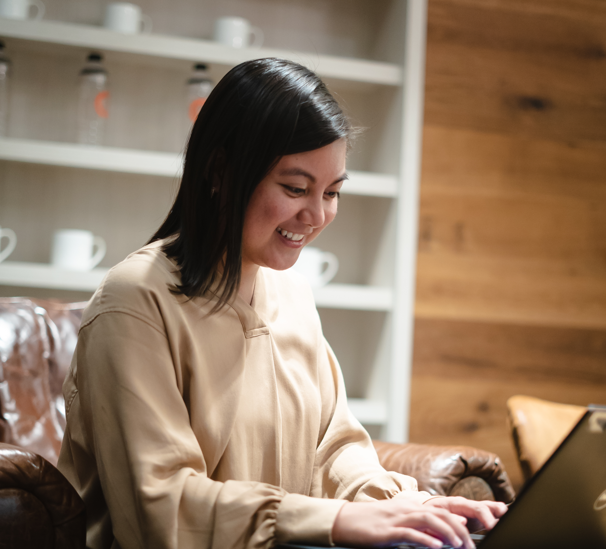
(204, 407)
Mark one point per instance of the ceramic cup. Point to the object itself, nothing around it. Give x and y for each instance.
(9, 235)
(237, 33)
(126, 18)
(317, 266)
(73, 249)
(20, 9)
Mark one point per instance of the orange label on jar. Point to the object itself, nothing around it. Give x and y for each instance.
(194, 108)
(100, 106)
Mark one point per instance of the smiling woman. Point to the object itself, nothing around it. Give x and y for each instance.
(204, 407)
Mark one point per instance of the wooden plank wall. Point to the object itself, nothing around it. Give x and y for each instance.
(511, 275)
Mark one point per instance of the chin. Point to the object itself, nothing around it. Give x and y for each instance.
(282, 263)
(281, 266)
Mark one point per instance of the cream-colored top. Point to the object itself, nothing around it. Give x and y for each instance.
(188, 430)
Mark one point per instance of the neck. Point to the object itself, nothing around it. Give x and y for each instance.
(247, 281)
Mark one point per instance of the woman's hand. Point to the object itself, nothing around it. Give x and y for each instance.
(389, 522)
(486, 513)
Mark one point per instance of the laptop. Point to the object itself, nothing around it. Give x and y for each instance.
(563, 506)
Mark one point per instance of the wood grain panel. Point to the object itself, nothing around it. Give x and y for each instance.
(464, 372)
(517, 226)
(531, 74)
(527, 26)
(579, 9)
(510, 353)
(515, 291)
(511, 270)
(489, 163)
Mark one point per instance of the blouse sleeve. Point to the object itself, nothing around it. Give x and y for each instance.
(151, 469)
(347, 466)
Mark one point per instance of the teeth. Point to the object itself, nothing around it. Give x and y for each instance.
(291, 236)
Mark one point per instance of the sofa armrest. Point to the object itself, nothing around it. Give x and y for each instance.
(449, 470)
(38, 506)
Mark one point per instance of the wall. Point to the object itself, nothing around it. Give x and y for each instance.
(511, 274)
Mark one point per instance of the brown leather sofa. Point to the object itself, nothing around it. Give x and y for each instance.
(39, 508)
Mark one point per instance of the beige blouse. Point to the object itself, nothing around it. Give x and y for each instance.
(188, 430)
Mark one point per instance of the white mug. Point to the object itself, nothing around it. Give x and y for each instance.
(12, 242)
(19, 9)
(126, 18)
(317, 266)
(73, 249)
(237, 32)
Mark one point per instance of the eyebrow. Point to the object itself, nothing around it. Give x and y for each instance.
(299, 171)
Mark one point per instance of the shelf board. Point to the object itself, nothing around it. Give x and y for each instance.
(159, 164)
(352, 296)
(368, 412)
(370, 184)
(41, 275)
(187, 49)
(89, 157)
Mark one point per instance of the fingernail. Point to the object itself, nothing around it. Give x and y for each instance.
(436, 543)
(458, 542)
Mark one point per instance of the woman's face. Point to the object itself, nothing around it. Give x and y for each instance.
(291, 206)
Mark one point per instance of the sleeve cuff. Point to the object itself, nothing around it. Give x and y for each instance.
(303, 519)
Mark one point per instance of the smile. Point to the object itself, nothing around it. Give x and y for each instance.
(291, 236)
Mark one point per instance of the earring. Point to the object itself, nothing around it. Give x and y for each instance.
(213, 190)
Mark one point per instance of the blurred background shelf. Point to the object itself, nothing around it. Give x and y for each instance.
(42, 275)
(154, 163)
(369, 412)
(187, 49)
(351, 296)
(90, 157)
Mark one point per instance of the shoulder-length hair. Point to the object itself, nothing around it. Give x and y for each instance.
(260, 111)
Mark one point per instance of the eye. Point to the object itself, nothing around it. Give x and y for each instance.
(333, 194)
(297, 191)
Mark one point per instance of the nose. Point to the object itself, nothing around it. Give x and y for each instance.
(313, 212)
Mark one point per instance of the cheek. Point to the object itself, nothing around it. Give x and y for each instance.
(262, 216)
(330, 212)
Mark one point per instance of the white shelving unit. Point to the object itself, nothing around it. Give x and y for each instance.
(370, 54)
(169, 47)
(160, 164)
(41, 275)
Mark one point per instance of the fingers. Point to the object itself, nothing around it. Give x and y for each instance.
(498, 508)
(487, 512)
(410, 535)
(440, 524)
(390, 522)
(484, 515)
